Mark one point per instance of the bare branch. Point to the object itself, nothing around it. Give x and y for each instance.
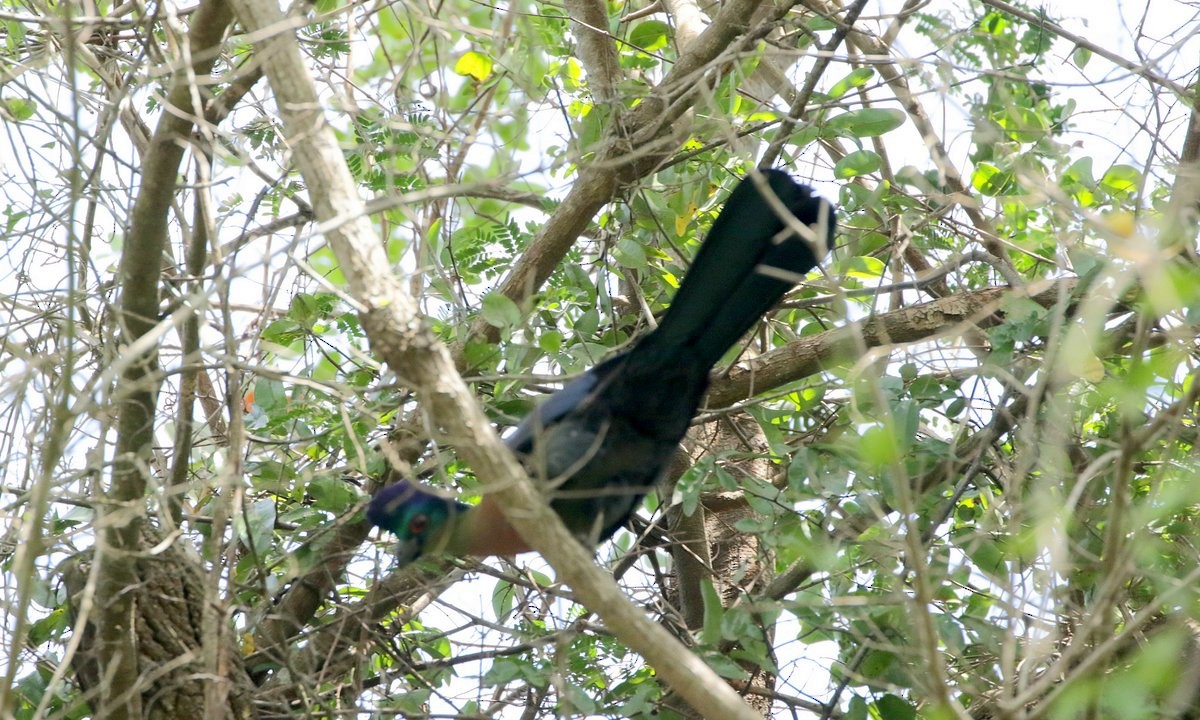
(1114, 58)
(136, 395)
(398, 334)
(805, 356)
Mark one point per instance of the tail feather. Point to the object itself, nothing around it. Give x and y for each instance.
(746, 264)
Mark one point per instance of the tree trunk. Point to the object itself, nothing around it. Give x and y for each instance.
(169, 598)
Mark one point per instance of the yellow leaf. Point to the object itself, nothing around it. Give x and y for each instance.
(473, 64)
(1121, 223)
(681, 221)
(574, 72)
(1124, 240)
(1083, 363)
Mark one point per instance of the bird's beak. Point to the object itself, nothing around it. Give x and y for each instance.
(408, 551)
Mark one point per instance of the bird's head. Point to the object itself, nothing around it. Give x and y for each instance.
(425, 522)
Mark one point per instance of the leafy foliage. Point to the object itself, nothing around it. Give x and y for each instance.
(964, 485)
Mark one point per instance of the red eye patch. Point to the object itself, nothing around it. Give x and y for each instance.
(417, 525)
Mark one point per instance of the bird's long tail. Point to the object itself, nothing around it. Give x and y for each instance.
(746, 264)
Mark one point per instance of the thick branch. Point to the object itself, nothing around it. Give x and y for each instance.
(688, 20)
(136, 395)
(391, 320)
(597, 51)
(912, 324)
(618, 162)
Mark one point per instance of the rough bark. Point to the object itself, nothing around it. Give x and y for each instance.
(171, 673)
(392, 322)
(135, 397)
(927, 321)
(709, 548)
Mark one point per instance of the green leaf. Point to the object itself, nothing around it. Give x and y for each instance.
(550, 342)
(503, 598)
(630, 253)
(650, 35)
(255, 525)
(414, 702)
(283, 332)
(991, 180)
(1081, 56)
(32, 687)
(859, 162)
(587, 323)
(856, 79)
(18, 109)
(868, 122)
(710, 633)
(1024, 125)
(641, 702)
(475, 65)
(858, 709)
(269, 394)
(14, 34)
(1080, 172)
(876, 664)
(51, 626)
(500, 311)
(956, 407)
(331, 494)
(987, 556)
(505, 670)
(324, 262)
(592, 126)
(879, 447)
(866, 268)
(687, 489)
(577, 702)
(1122, 180)
(895, 708)
(738, 624)
(305, 309)
(724, 666)
(817, 23)
(993, 23)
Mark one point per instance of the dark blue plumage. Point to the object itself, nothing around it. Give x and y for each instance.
(599, 444)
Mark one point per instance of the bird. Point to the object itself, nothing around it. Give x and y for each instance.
(602, 441)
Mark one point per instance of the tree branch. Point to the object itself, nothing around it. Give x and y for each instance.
(629, 151)
(397, 332)
(805, 356)
(1114, 58)
(596, 49)
(135, 396)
